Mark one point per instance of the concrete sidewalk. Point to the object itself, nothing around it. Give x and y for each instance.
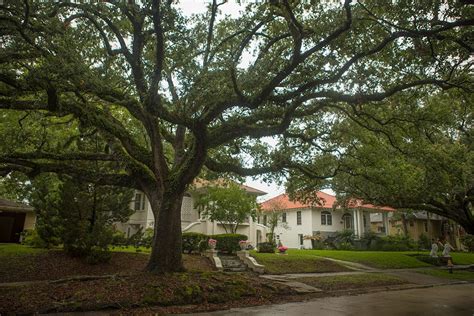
(414, 279)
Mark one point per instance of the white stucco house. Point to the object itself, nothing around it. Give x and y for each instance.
(191, 219)
(304, 219)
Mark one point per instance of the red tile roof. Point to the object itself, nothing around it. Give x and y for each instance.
(283, 201)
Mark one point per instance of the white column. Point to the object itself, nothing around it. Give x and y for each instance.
(360, 222)
(354, 223)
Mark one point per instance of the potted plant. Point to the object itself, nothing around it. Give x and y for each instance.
(243, 244)
(212, 243)
(282, 250)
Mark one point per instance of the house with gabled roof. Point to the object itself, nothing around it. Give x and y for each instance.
(325, 218)
(191, 218)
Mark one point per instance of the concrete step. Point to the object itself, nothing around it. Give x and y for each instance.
(232, 263)
(235, 269)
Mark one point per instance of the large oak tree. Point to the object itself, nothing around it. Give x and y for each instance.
(170, 94)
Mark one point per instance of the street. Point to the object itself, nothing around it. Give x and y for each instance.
(441, 300)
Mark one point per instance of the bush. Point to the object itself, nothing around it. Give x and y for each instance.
(98, 255)
(147, 237)
(136, 239)
(344, 240)
(396, 243)
(33, 239)
(345, 246)
(228, 243)
(369, 240)
(266, 247)
(424, 242)
(193, 242)
(119, 238)
(468, 241)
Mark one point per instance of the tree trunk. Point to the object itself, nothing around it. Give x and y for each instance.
(167, 244)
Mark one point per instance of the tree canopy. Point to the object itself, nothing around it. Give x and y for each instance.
(138, 94)
(230, 205)
(419, 156)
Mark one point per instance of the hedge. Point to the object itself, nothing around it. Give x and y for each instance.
(228, 242)
(192, 241)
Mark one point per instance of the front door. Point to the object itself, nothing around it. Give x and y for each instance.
(347, 218)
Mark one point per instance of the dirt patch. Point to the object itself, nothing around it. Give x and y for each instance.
(355, 281)
(56, 264)
(143, 290)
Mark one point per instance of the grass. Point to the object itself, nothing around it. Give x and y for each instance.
(375, 259)
(463, 257)
(296, 263)
(130, 249)
(353, 281)
(17, 249)
(463, 275)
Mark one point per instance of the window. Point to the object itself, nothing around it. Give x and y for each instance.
(139, 202)
(283, 217)
(298, 218)
(300, 238)
(412, 223)
(326, 218)
(265, 220)
(426, 226)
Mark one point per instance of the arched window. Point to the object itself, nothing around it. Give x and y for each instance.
(347, 219)
(326, 218)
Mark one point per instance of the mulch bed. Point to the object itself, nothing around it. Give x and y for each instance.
(55, 264)
(142, 290)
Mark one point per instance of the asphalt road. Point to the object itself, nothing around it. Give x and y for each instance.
(447, 300)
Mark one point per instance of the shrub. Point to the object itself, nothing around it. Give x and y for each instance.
(33, 239)
(98, 255)
(266, 247)
(119, 238)
(228, 243)
(203, 245)
(369, 240)
(345, 246)
(147, 237)
(468, 241)
(344, 240)
(136, 239)
(424, 242)
(192, 241)
(396, 243)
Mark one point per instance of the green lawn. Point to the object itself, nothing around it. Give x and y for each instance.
(457, 274)
(375, 259)
(354, 281)
(463, 257)
(296, 263)
(130, 249)
(17, 249)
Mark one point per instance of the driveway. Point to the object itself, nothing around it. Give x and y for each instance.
(440, 300)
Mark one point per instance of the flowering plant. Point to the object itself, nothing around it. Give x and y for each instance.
(243, 242)
(212, 242)
(282, 249)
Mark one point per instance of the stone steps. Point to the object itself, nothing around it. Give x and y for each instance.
(232, 263)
